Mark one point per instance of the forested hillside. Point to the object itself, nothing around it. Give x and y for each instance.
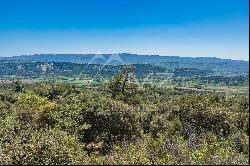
(32, 69)
(219, 65)
(9, 70)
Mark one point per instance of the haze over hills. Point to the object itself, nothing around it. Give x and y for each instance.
(126, 58)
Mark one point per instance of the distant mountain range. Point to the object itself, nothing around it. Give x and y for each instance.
(126, 58)
(210, 63)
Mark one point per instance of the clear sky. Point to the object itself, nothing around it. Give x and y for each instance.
(217, 28)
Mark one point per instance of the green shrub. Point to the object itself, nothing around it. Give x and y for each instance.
(50, 147)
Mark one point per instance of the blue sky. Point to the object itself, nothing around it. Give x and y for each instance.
(217, 28)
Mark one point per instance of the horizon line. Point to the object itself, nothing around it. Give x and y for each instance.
(123, 53)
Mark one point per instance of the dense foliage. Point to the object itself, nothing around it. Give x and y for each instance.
(120, 123)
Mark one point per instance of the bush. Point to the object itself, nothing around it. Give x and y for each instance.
(110, 122)
(50, 147)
